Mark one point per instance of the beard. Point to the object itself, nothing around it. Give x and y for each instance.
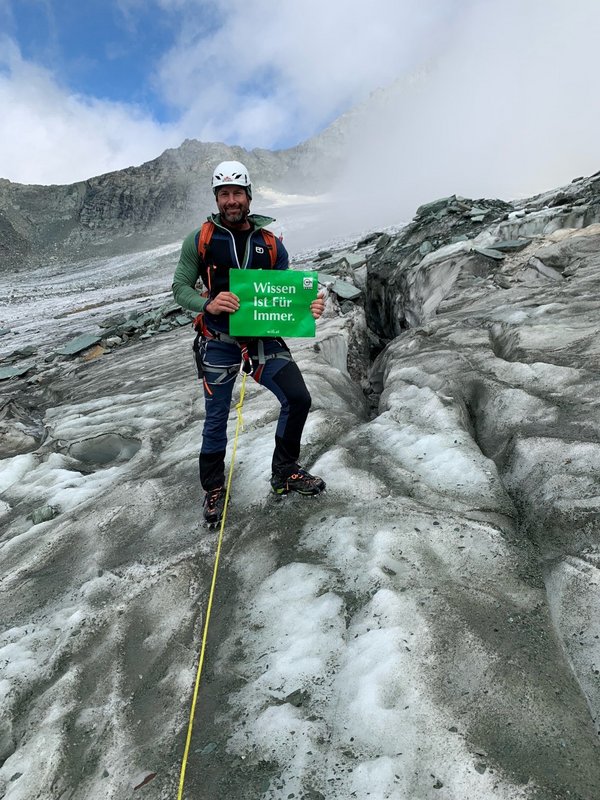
(235, 216)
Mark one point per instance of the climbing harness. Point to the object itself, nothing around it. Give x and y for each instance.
(248, 367)
(188, 741)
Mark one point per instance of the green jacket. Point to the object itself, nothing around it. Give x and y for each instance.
(221, 256)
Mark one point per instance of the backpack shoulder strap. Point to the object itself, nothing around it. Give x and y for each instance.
(271, 244)
(206, 233)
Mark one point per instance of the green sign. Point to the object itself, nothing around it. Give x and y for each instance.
(273, 302)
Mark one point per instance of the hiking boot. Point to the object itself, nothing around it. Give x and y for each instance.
(214, 502)
(299, 481)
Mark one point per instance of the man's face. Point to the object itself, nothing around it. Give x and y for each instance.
(233, 204)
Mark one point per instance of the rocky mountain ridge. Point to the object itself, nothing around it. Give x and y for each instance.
(145, 206)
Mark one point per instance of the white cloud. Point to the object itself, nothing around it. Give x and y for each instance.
(258, 74)
(275, 72)
(507, 108)
(51, 136)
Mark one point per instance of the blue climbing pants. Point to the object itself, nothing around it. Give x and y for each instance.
(218, 366)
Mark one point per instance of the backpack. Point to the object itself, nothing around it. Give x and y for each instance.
(206, 234)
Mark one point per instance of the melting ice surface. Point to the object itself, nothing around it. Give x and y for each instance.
(393, 638)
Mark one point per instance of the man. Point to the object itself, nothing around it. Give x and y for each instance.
(237, 241)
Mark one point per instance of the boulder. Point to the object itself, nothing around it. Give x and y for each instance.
(77, 345)
(14, 372)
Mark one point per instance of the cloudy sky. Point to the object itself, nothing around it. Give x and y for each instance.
(502, 93)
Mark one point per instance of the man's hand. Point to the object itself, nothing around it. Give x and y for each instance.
(317, 307)
(224, 302)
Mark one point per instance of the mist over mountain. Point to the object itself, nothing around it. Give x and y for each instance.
(462, 124)
(152, 204)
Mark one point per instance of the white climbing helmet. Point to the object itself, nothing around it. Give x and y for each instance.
(231, 173)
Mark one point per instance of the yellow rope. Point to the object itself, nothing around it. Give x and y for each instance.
(188, 741)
